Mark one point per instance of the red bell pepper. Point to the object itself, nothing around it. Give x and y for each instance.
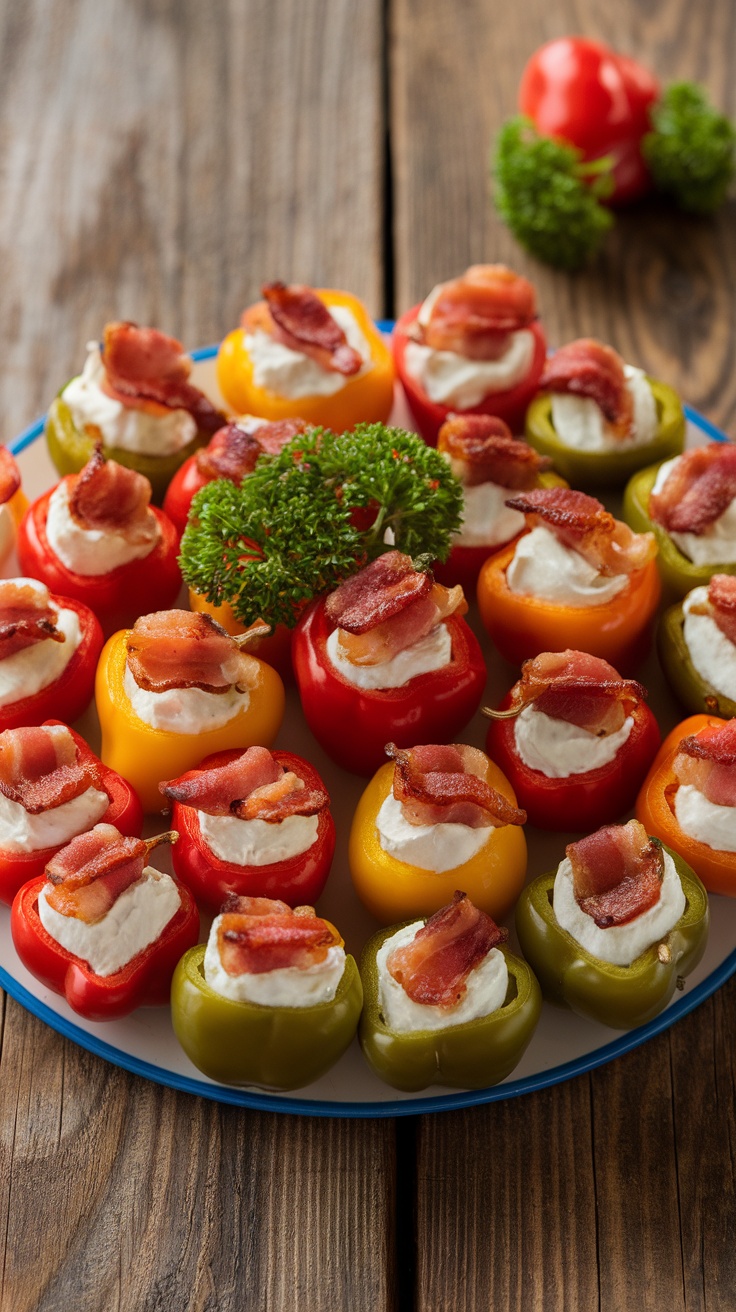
(186, 483)
(124, 812)
(583, 802)
(150, 583)
(68, 696)
(510, 405)
(298, 880)
(353, 724)
(143, 982)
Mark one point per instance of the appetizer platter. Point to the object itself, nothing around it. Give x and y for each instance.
(304, 1058)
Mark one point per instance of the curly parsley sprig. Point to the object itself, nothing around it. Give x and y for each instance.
(310, 516)
(691, 151)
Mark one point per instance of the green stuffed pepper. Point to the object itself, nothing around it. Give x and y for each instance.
(689, 686)
(622, 996)
(472, 1054)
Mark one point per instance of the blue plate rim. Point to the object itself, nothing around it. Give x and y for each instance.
(369, 1110)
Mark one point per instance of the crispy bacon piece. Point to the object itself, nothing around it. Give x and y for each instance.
(233, 450)
(707, 760)
(256, 934)
(40, 768)
(482, 450)
(180, 649)
(582, 523)
(720, 604)
(26, 617)
(474, 314)
(90, 873)
(388, 607)
(588, 368)
(108, 496)
(578, 688)
(296, 316)
(699, 487)
(253, 787)
(9, 475)
(437, 784)
(434, 967)
(617, 873)
(145, 368)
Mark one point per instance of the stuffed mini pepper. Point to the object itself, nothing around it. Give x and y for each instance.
(102, 927)
(600, 419)
(474, 346)
(433, 819)
(445, 1001)
(255, 823)
(613, 929)
(52, 787)
(272, 1000)
(314, 355)
(387, 656)
(49, 648)
(696, 642)
(135, 397)
(13, 503)
(96, 537)
(574, 739)
(689, 799)
(690, 505)
(578, 579)
(176, 687)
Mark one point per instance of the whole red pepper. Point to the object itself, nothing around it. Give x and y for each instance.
(68, 696)
(143, 982)
(354, 724)
(298, 880)
(124, 812)
(186, 483)
(150, 583)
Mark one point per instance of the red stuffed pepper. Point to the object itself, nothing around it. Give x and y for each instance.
(475, 346)
(386, 657)
(102, 928)
(574, 739)
(49, 649)
(254, 823)
(95, 537)
(53, 787)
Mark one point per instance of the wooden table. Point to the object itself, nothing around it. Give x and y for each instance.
(158, 161)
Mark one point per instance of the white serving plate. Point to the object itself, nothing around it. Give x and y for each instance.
(564, 1045)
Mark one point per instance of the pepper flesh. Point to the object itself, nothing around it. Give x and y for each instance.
(148, 756)
(365, 398)
(587, 469)
(247, 1043)
(620, 996)
(394, 890)
(472, 1055)
(679, 575)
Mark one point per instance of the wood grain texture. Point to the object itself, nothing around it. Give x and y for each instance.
(160, 159)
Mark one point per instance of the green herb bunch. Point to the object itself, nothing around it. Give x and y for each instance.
(320, 510)
(690, 151)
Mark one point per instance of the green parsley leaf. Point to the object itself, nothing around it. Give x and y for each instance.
(690, 153)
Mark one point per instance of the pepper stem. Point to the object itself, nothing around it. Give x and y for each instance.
(510, 714)
(258, 630)
(171, 836)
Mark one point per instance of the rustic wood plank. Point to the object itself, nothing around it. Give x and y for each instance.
(159, 160)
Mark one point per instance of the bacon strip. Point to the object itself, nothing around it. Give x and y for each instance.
(582, 523)
(9, 475)
(697, 490)
(256, 934)
(617, 873)
(233, 451)
(26, 617)
(720, 604)
(252, 787)
(296, 316)
(481, 450)
(109, 497)
(40, 768)
(387, 607)
(434, 967)
(90, 873)
(144, 366)
(180, 649)
(474, 314)
(578, 688)
(437, 785)
(707, 760)
(588, 368)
